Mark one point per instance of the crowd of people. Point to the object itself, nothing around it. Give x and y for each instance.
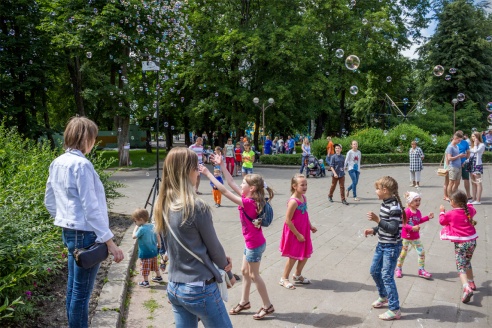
(184, 228)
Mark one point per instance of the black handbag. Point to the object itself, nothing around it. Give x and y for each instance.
(90, 256)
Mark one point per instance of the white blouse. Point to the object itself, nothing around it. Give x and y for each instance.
(477, 151)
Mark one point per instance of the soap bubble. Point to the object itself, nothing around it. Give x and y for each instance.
(133, 138)
(141, 158)
(417, 140)
(388, 79)
(327, 73)
(120, 104)
(354, 90)
(489, 107)
(405, 101)
(474, 129)
(364, 21)
(339, 53)
(385, 132)
(489, 38)
(166, 124)
(352, 62)
(147, 173)
(11, 32)
(403, 137)
(119, 129)
(453, 70)
(489, 118)
(460, 97)
(438, 70)
(216, 94)
(139, 28)
(447, 77)
(353, 3)
(423, 111)
(89, 54)
(172, 127)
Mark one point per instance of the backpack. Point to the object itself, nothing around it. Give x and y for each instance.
(266, 215)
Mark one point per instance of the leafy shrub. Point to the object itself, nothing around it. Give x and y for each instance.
(281, 159)
(30, 245)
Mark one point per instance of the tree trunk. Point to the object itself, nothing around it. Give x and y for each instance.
(186, 128)
(122, 125)
(320, 124)
(76, 78)
(342, 110)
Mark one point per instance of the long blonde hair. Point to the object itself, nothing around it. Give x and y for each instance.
(256, 180)
(176, 192)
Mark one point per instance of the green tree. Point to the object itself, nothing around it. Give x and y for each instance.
(460, 42)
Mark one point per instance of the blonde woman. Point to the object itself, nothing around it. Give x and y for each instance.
(306, 151)
(478, 147)
(192, 288)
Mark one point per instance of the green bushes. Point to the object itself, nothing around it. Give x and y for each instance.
(30, 245)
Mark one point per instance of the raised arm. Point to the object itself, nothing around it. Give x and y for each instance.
(227, 175)
(234, 198)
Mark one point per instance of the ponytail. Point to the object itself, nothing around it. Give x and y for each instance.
(459, 198)
(403, 214)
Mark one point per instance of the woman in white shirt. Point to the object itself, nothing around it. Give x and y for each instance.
(476, 153)
(352, 163)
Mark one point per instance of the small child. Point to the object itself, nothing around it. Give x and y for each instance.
(337, 163)
(411, 236)
(215, 191)
(248, 158)
(238, 159)
(217, 152)
(459, 228)
(322, 167)
(295, 243)
(148, 242)
(207, 154)
(390, 220)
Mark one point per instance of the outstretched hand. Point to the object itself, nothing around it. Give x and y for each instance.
(203, 169)
(368, 232)
(217, 159)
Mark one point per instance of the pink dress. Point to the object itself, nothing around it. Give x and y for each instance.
(289, 245)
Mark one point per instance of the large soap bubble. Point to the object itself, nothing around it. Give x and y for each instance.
(438, 70)
(352, 62)
(489, 118)
(354, 90)
(388, 79)
(460, 97)
(339, 53)
(453, 70)
(489, 107)
(89, 55)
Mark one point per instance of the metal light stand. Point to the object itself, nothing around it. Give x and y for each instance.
(151, 66)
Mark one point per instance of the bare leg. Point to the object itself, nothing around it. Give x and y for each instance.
(478, 196)
(300, 266)
(254, 271)
(446, 184)
(469, 274)
(288, 268)
(467, 187)
(474, 187)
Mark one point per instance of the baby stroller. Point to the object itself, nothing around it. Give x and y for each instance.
(312, 167)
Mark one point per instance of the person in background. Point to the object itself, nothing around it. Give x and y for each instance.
(416, 156)
(248, 158)
(477, 151)
(281, 146)
(306, 151)
(215, 191)
(292, 144)
(330, 150)
(75, 198)
(338, 174)
(453, 158)
(229, 156)
(148, 244)
(267, 147)
(275, 146)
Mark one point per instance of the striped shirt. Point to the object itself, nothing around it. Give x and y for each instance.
(198, 149)
(390, 224)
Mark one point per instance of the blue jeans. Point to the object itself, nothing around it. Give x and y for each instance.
(192, 302)
(80, 281)
(304, 158)
(354, 176)
(383, 272)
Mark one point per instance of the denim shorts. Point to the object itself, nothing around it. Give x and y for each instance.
(247, 170)
(254, 254)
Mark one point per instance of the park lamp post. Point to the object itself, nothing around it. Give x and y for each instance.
(454, 102)
(256, 101)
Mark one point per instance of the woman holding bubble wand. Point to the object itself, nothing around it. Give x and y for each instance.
(478, 147)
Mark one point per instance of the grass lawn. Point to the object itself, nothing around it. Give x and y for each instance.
(138, 157)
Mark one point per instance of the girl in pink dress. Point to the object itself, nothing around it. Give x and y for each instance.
(296, 242)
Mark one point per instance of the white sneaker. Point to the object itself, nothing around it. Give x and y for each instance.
(476, 203)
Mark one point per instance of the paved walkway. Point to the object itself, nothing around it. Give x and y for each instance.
(342, 290)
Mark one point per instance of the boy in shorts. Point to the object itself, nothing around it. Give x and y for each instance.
(148, 242)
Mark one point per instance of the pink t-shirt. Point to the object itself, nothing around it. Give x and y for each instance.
(252, 236)
(413, 219)
(460, 229)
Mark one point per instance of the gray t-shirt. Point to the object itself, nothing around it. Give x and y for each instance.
(198, 235)
(453, 151)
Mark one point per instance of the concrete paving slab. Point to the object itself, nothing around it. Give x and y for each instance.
(342, 289)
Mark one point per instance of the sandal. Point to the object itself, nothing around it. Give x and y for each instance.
(286, 283)
(380, 302)
(238, 308)
(390, 315)
(301, 280)
(199, 193)
(262, 312)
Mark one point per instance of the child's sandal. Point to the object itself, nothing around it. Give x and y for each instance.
(262, 312)
(286, 283)
(301, 280)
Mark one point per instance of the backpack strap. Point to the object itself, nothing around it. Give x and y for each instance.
(246, 214)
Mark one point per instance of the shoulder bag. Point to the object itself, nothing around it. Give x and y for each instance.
(226, 282)
(90, 256)
(441, 171)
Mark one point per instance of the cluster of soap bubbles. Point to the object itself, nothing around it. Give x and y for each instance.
(439, 71)
(434, 139)
(352, 62)
(403, 137)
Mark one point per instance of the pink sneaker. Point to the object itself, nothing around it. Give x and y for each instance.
(472, 285)
(424, 274)
(398, 273)
(467, 294)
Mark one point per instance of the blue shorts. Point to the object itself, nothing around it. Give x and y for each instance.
(254, 255)
(247, 170)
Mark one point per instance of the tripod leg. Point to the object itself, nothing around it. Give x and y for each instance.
(150, 194)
